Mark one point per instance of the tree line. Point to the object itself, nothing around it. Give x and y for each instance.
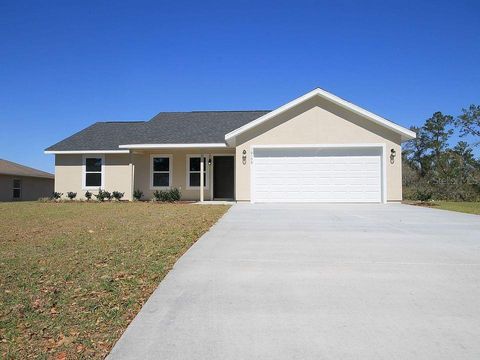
(433, 168)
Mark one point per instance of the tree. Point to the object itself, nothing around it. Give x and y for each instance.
(432, 168)
(415, 152)
(461, 173)
(437, 132)
(469, 122)
(425, 151)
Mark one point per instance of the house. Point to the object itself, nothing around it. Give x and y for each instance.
(19, 182)
(316, 148)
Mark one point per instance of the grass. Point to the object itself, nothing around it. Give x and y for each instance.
(460, 206)
(73, 275)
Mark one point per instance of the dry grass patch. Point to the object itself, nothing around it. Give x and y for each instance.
(73, 275)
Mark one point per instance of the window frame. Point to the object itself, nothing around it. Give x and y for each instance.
(16, 188)
(205, 170)
(84, 171)
(170, 171)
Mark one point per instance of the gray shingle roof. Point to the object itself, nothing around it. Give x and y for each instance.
(165, 128)
(11, 168)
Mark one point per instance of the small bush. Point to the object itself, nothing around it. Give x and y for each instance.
(137, 194)
(167, 195)
(103, 195)
(175, 194)
(161, 195)
(56, 195)
(44, 199)
(71, 195)
(88, 195)
(117, 195)
(423, 195)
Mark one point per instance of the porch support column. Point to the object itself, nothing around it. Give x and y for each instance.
(132, 176)
(202, 171)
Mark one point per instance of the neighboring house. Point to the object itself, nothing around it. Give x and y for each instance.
(19, 182)
(316, 148)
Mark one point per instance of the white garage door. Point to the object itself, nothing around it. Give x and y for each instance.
(317, 175)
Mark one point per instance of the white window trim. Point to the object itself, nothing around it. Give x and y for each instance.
(84, 171)
(170, 171)
(205, 170)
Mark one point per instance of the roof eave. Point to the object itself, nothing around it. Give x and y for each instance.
(60, 152)
(173, 146)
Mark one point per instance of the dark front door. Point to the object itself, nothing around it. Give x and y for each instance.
(223, 177)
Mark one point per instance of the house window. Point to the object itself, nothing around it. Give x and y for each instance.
(17, 189)
(193, 171)
(161, 171)
(93, 176)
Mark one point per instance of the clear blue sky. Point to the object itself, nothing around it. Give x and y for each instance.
(67, 64)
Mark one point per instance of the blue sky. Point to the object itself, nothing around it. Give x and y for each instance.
(67, 64)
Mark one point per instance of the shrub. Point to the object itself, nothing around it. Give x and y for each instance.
(71, 195)
(117, 195)
(167, 195)
(56, 195)
(161, 195)
(88, 195)
(103, 195)
(423, 195)
(44, 199)
(175, 194)
(137, 194)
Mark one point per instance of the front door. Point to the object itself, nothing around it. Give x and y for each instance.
(223, 177)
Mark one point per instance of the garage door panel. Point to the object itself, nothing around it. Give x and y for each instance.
(317, 175)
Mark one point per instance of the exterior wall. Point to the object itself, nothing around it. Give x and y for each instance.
(32, 188)
(118, 174)
(69, 172)
(179, 174)
(318, 121)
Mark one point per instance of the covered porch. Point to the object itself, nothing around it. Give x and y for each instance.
(200, 173)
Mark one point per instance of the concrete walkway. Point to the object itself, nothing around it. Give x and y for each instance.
(319, 282)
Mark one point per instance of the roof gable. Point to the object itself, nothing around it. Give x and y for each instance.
(404, 133)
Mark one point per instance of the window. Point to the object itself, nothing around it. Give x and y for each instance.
(17, 189)
(161, 173)
(93, 175)
(193, 171)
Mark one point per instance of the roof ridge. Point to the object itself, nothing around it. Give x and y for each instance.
(200, 111)
(121, 121)
(208, 111)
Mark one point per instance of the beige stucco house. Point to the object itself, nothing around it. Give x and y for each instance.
(316, 148)
(19, 182)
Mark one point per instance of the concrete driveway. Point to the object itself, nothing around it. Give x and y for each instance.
(319, 282)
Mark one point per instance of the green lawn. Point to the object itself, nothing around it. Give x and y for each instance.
(461, 206)
(73, 275)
